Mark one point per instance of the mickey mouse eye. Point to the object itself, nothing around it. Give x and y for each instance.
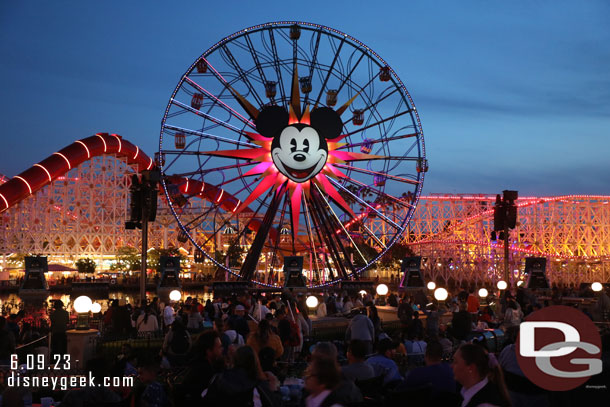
(306, 145)
(293, 145)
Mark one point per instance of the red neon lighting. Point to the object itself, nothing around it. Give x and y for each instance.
(150, 165)
(45, 170)
(87, 149)
(119, 139)
(186, 189)
(64, 157)
(222, 191)
(202, 186)
(137, 152)
(26, 183)
(103, 141)
(238, 202)
(4, 199)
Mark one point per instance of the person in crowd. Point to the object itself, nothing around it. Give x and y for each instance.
(150, 392)
(461, 324)
(384, 365)
(392, 300)
(121, 320)
(12, 325)
(177, 343)
(264, 337)
(521, 391)
(415, 349)
(233, 338)
(473, 303)
(7, 343)
(405, 313)
(239, 322)
(436, 373)
(374, 317)
(357, 368)
(195, 320)
(243, 385)
(480, 376)
(416, 327)
(321, 310)
(288, 332)
(347, 304)
(147, 322)
(59, 325)
(513, 315)
(361, 328)
(205, 361)
(432, 321)
(322, 376)
(169, 315)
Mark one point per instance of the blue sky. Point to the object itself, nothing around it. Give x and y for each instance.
(512, 95)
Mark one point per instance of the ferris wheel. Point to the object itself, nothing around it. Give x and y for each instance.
(294, 137)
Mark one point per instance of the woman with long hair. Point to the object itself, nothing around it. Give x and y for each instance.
(480, 376)
(147, 322)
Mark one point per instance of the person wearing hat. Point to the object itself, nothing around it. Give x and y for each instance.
(59, 325)
(383, 365)
(238, 321)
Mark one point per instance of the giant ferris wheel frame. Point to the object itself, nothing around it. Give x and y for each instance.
(378, 159)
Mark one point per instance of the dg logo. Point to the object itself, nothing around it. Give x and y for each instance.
(559, 348)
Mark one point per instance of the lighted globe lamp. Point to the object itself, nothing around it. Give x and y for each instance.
(431, 285)
(175, 295)
(82, 306)
(483, 293)
(311, 301)
(381, 290)
(441, 294)
(362, 293)
(96, 307)
(519, 283)
(502, 285)
(597, 287)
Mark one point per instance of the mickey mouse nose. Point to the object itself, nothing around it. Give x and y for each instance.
(299, 157)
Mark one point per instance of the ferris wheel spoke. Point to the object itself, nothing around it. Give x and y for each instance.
(376, 102)
(333, 243)
(375, 141)
(208, 117)
(330, 70)
(349, 75)
(365, 203)
(277, 243)
(365, 171)
(220, 102)
(314, 58)
(377, 123)
(338, 222)
(249, 264)
(278, 68)
(380, 193)
(309, 228)
(208, 136)
(242, 75)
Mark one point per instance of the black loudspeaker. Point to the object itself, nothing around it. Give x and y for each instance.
(411, 271)
(34, 279)
(293, 272)
(535, 268)
(170, 271)
(228, 288)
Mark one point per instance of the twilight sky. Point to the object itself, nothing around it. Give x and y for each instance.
(512, 95)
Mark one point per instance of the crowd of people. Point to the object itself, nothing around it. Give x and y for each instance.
(260, 350)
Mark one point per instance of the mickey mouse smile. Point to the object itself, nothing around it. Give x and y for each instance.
(293, 173)
(298, 152)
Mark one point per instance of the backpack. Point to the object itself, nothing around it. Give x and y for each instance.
(180, 343)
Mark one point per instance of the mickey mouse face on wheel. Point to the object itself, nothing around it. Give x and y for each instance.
(299, 151)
